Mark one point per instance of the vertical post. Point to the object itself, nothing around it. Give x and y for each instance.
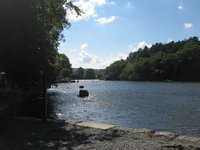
(44, 96)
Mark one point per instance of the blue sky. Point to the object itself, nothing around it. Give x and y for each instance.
(110, 29)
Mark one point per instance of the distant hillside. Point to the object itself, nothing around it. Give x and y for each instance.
(176, 61)
(87, 73)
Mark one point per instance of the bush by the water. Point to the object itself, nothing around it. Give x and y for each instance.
(31, 105)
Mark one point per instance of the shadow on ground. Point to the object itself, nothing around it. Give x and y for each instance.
(36, 135)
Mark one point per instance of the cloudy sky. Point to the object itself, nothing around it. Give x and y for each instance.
(110, 29)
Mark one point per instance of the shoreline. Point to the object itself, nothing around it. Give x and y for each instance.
(28, 133)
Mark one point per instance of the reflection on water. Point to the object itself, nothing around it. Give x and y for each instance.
(154, 105)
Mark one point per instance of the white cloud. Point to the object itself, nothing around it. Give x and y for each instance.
(113, 3)
(72, 50)
(121, 56)
(98, 2)
(88, 60)
(139, 45)
(106, 20)
(128, 5)
(86, 57)
(84, 46)
(180, 7)
(88, 7)
(109, 61)
(188, 25)
(169, 40)
(112, 59)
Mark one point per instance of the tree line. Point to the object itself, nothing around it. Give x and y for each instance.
(174, 61)
(30, 32)
(81, 73)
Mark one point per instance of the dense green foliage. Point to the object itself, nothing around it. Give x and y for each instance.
(90, 74)
(30, 31)
(177, 61)
(82, 73)
(113, 71)
(63, 67)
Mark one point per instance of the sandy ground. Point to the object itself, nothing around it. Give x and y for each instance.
(31, 134)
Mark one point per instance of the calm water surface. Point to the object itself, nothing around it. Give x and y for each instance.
(154, 105)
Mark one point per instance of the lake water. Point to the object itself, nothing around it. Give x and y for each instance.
(160, 106)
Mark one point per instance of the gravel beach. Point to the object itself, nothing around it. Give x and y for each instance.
(33, 134)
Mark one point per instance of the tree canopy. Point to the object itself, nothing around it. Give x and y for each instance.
(63, 67)
(177, 61)
(30, 34)
(80, 73)
(90, 74)
(113, 71)
(87, 73)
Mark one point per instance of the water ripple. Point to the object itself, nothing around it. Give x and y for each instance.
(154, 105)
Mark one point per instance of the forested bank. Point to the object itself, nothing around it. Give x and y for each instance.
(30, 35)
(176, 61)
(87, 73)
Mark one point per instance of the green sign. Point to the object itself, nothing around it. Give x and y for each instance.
(2, 73)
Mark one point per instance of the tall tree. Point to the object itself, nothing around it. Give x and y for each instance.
(63, 67)
(30, 34)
